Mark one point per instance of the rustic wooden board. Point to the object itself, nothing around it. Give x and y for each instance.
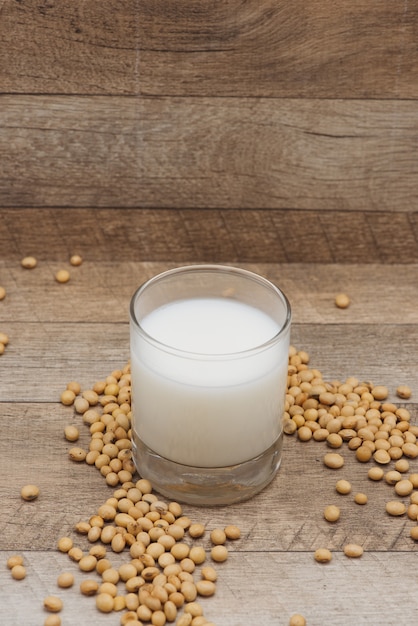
(60, 352)
(53, 327)
(210, 235)
(100, 292)
(80, 331)
(261, 588)
(210, 153)
(286, 516)
(227, 49)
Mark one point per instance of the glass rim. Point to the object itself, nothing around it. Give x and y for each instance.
(210, 268)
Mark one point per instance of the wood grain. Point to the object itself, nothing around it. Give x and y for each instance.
(295, 523)
(228, 49)
(80, 331)
(52, 327)
(210, 235)
(260, 587)
(99, 291)
(212, 153)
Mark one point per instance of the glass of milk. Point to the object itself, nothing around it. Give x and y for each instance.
(209, 356)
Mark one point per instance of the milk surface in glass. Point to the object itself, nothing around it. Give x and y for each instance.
(211, 392)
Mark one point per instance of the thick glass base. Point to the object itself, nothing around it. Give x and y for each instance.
(207, 486)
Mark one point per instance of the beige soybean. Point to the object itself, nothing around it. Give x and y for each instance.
(18, 572)
(15, 559)
(87, 563)
(77, 454)
(332, 513)
(392, 477)
(402, 466)
(29, 262)
(353, 550)
(65, 544)
(342, 301)
(333, 460)
(65, 580)
(53, 604)
(360, 498)
(343, 487)
(382, 457)
(67, 397)
(209, 573)
(395, 508)
(195, 609)
(71, 433)
(322, 555)
(375, 473)
(232, 532)
(76, 260)
(297, 620)
(62, 276)
(218, 536)
(197, 554)
(104, 602)
(52, 620)
(196, 530)
(404, 487)
(2, 293)
(205, 588)
(404, 392)
(29, 492)
(219, 554)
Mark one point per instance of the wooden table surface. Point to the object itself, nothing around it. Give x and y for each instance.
(143, 135)
(79, 331)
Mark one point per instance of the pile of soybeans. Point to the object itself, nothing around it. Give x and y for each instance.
(166, 573)
(168, 569)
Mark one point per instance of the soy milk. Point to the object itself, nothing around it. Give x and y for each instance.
(208, 383)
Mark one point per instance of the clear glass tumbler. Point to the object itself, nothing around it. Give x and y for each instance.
(209, 355)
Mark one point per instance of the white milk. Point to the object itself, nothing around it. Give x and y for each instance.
(206, 394)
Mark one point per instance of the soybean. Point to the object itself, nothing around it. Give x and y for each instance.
(395, 508)
(62, 276)
(360, 498)
(52, 620)
(342, 301)
(76, 259)
(14, 560)
(333, 460)
(65, 580)
(53, 604)
(219, 554)
(323, 555)
(29, 262)
(353, 550)
(29, 492)
(404, 392)
(18, 572)
(343, 487)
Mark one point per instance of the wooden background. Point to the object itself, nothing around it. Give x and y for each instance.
(247, 131)
(280, 136)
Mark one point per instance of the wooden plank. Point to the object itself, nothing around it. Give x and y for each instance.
(215, 153)
(80, 329)
(210, 235)
(253, 588)
(59, 352)
(225, 49)
(100, 293)
(75, 49)
(296, 498)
